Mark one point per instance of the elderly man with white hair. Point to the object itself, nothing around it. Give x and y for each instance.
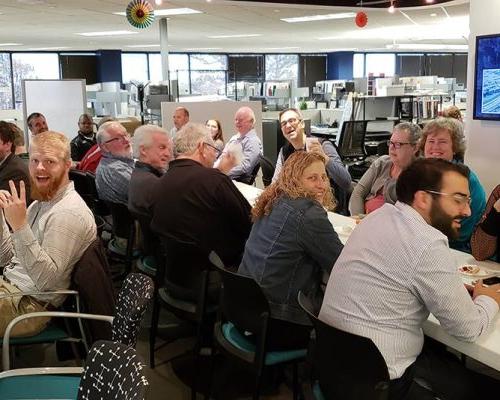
(116, 166)
(152, 149)
(199, 205)
(244, 122)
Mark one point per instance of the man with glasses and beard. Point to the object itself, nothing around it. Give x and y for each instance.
(397, 268)
(46, 240)
(115, 168)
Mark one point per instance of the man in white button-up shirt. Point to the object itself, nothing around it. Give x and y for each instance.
(397, 267)
(47, 239)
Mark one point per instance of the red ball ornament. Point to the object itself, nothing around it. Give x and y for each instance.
(361, 19)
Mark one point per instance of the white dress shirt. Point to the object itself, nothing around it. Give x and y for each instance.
(393, 271)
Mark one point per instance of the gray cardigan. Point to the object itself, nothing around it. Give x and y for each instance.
(377, 177)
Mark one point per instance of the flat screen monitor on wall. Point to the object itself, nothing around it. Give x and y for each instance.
(487, 79)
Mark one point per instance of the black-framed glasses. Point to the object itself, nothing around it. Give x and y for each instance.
(291, 121)
(124, 139)
(460, 198)
(217, 151)
(398, 145)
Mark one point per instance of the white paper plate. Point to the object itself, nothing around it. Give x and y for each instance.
(480, 273)
(343, 230)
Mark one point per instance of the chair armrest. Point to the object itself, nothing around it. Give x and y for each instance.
(42, 371)
(60, 314)
(73, 292)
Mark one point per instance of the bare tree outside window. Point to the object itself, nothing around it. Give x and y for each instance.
(280, 67)
(208, 74)
(5, 82)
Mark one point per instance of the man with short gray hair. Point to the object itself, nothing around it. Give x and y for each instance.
(152, 148)
(116, 166)
(197, 204)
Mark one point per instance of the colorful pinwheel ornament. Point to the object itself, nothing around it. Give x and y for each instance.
(140, 14)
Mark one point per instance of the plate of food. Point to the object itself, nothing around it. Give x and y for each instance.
(475, 271)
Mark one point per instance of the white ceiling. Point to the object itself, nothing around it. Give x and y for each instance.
(54, 24)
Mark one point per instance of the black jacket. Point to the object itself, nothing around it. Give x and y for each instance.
(16, 169)
(80, 145)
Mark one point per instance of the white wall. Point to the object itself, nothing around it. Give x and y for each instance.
(483, 137)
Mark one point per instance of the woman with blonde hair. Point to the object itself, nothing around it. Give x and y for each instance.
(292, 244)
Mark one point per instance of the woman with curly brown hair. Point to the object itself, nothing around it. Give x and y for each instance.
(292, 244)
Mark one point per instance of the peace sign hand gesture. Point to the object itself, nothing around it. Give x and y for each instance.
(14, 205)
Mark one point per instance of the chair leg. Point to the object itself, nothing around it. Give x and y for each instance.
(295, 382)
(153, 330)
(258, 383)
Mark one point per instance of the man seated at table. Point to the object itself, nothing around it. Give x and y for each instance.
(46, 240)
(292, 127)
(11, 166)
(246, 136)
(152, 148)
(396, 268)
(37, 123)
(84, 139)
(199, 205)
(115, 168)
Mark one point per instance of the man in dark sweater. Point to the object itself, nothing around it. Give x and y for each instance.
(199, 205)
(11, 166)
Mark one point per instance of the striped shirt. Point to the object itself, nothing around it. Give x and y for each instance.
(393, 271)
(41, 255)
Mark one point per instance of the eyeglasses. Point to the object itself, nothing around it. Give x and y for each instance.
(217, 151)
(397, 145)
(460, 198)
(123, 139)
(291, 121)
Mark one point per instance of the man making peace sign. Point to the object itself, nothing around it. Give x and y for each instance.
(46, 240)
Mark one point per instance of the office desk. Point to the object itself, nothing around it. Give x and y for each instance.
(486, 349)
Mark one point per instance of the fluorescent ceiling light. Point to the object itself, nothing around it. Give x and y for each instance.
(145, 45)
(281, 48)
(320, 17)
(10, 44)
(243, 35)
(107, 33)
(169, 11)
(48, 48)
(427, 46)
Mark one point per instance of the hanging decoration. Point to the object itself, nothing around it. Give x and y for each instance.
(140, 14)
(361, 19)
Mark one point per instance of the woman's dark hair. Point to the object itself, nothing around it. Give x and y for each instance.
(425, 174)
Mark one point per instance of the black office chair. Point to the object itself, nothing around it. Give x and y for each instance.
(181, 287)
(351, 147)
(150, 243)
(267, 167)
(349, 367)
(245, 308)
(250, 180)
(123, 227)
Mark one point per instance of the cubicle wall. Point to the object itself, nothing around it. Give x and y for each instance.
(222, 110)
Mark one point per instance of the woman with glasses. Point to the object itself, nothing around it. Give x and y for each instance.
(378, 185)
(291, 245)
(485, 241)
(444, 138)
(216, 130)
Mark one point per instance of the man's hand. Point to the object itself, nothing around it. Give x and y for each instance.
(227, 161)
(492, 291)
(315, 147)
(14, 205)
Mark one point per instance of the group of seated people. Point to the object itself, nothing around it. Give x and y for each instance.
(395, 269)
